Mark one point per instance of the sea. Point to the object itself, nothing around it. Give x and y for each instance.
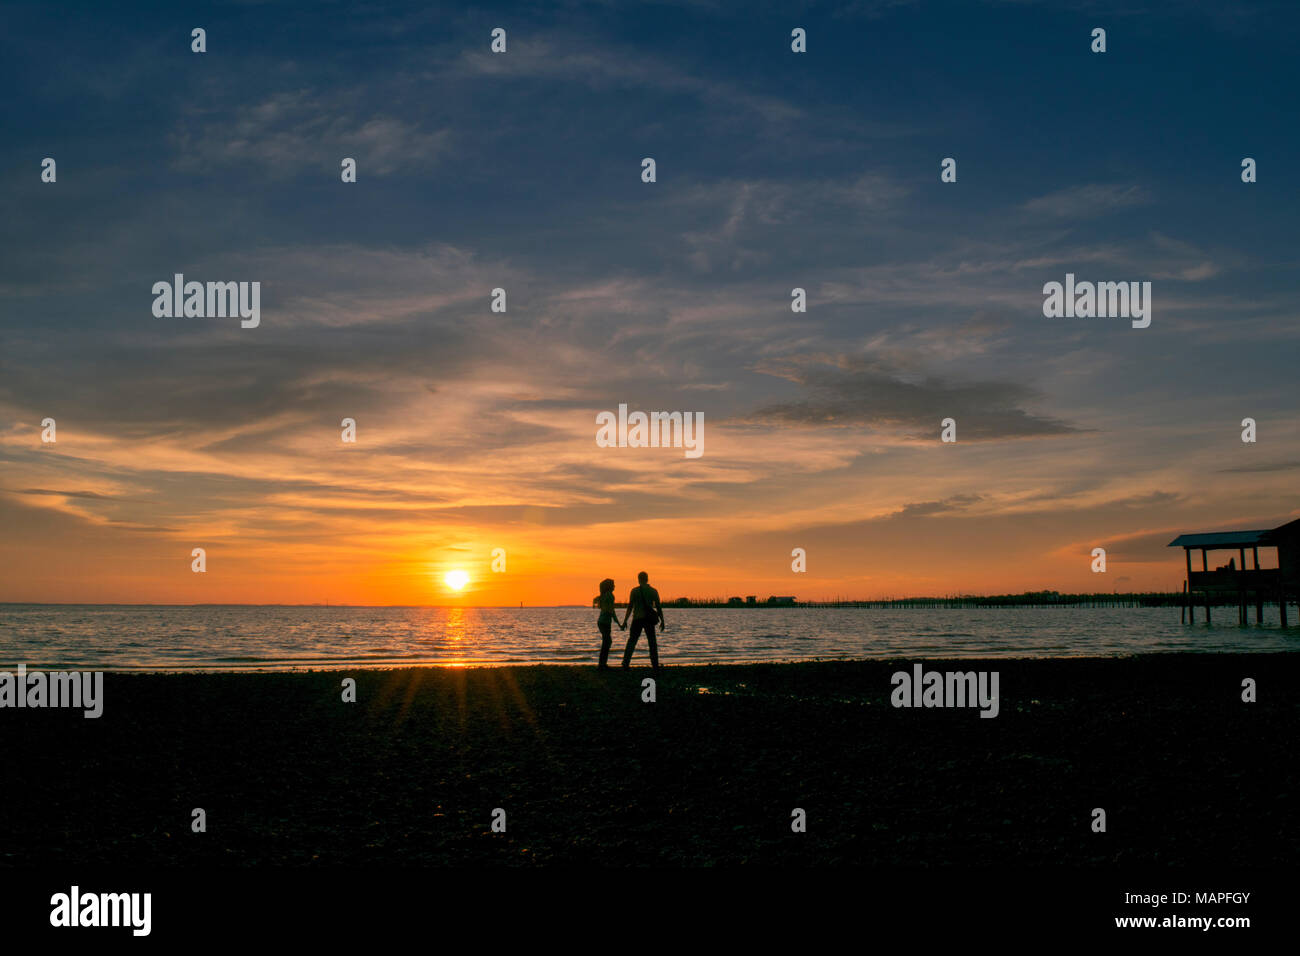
(280, 638)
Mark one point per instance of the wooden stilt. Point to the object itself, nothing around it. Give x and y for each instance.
(1205, 566)
(1241, 591)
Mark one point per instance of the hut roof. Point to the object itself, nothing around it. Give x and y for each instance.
(1221, 539)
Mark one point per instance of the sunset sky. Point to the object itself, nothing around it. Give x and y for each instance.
(476, 430)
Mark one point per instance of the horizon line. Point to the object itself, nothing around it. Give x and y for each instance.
(667, 602)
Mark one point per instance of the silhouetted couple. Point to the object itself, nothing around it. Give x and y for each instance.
(643, 608)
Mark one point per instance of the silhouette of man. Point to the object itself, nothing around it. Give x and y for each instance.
(644, 609)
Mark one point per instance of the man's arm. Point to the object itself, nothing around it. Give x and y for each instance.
(659, 609)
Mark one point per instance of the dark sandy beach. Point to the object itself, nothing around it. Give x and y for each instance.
(589, 774)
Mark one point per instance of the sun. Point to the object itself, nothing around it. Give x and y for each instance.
(456, 580)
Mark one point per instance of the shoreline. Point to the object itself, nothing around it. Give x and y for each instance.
(277, 668)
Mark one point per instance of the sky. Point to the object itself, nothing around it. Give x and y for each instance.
(523, 171)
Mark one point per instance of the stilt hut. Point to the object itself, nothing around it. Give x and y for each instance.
(1246, 579)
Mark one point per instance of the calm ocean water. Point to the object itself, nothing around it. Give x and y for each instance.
(284, 638)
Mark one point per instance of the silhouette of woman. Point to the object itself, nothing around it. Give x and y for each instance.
(607, 616)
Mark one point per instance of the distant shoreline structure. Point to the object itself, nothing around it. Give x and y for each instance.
(1027, 599)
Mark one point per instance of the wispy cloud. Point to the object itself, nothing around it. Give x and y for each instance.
(1088, 201)
(865, 392)
(288, 132)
